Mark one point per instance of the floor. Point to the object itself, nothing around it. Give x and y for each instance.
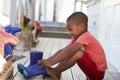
(49, 46)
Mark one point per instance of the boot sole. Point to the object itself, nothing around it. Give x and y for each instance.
(20, 68)
(25, 74)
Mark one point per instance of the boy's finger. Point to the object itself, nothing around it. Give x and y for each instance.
(39, 61)
(42, 66)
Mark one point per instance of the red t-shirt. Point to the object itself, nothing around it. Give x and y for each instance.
(93, 48)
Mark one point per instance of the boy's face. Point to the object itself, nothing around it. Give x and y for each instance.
(74, 30)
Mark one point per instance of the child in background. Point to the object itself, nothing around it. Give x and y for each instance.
(35, 28)
(4, 39)
(84, 50)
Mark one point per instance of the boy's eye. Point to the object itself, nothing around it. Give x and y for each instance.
(70, 30)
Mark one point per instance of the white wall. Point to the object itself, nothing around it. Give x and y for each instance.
(1, 6)
(49, 10)
(104, 23)
(37, 10)
(4, 20)
(94, 19)
(43, 10)
(59, 10)
(64, 8)
(110, 26)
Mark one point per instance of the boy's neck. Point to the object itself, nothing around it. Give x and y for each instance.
(83, 32)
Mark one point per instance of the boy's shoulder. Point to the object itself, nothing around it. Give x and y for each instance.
(85, 34)
(86, 37)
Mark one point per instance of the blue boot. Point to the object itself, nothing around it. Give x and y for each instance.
(15, 30)
(8, 47)
(32, 70)
(35, 56)
(12, 29)
(21, 67)
(7, 50)
(8, 29)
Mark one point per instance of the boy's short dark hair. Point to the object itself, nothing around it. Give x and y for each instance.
(77, 18)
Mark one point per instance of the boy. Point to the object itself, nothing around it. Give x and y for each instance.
(84, 50)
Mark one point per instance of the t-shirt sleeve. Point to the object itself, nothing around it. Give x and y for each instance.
(84, 39)
(72, 42)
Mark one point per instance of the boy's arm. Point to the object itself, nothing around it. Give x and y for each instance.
(61, 55)
(56, 54)
(66, 53)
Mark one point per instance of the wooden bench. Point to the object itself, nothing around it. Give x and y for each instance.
(49, 46)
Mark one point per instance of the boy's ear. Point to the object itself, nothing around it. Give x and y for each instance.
(82, 26)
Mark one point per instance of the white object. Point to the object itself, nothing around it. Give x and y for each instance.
(2, 64)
